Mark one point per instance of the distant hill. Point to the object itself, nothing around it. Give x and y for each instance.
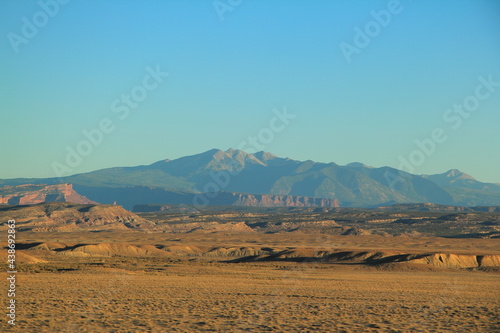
(62, 216)
(428, 207)
(466, 190)
(205, 177)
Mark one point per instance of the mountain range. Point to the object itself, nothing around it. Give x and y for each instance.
(210, 177)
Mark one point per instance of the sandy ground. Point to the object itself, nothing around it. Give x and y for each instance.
(258, 298)
(288, 239)
(193, 294)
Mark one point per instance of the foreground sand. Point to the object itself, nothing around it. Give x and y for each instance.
(191, 292)
(214, 297)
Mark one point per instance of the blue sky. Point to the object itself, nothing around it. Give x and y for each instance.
(225, 78)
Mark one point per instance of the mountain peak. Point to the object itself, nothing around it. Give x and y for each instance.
(218, 154)
(210, 152)
(264, 156)
(213, 160)
(457, 174)
(357, 165)
(236, 152)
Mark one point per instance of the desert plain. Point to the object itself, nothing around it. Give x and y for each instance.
(229, 278)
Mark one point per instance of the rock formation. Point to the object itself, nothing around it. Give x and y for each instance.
(244, 199)
(62, 216)
(31, 194)
(270, 200)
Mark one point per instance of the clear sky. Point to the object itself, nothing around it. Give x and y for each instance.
(360, 89)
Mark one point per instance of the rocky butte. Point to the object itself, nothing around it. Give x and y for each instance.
(31, 194)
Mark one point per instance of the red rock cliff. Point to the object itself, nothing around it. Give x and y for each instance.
(31, 194)
(271, 200)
